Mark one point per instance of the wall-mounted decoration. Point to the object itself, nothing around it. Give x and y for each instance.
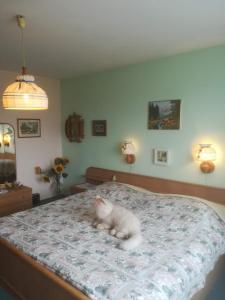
(128, 150)
(164, 114)
(7, 153)
(28, 128)
(74, 128)
(206, 155)
(161, 157)
(99, 127)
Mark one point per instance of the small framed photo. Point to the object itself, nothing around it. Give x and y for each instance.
(161, 157)
(99, 127)
(28, 128)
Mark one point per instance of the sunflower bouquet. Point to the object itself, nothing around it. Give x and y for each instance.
(55, 174)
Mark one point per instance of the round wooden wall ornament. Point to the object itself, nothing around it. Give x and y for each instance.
(74, 128)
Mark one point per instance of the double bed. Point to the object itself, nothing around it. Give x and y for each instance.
(53, 252)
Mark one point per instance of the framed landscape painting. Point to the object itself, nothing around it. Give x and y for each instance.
(28, 128)
(164, 114)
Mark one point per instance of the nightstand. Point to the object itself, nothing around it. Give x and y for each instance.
(15, 200)
(82, 187)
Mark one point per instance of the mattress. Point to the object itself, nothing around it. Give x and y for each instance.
(182, 239)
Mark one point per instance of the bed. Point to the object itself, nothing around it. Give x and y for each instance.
(53, 252)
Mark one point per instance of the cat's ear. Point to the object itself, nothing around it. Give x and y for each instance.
(99, 200)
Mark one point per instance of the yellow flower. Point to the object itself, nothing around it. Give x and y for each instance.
(58, 160)
(45, 178)
(61, 160)
(58, 168)
(65, 161)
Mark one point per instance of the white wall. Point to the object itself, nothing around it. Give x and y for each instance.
(41, 151)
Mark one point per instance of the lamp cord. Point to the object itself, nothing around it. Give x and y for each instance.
(205, 179)
(23, 51)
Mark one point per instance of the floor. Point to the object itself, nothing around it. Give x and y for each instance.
(218, 292)
(4, 295)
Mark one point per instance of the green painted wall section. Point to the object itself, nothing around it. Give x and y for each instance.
(121, 97)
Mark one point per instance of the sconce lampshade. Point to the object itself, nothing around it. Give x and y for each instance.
(24, 94)
(206, 154)
(128, 149)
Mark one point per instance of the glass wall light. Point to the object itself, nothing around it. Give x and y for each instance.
(206, 155)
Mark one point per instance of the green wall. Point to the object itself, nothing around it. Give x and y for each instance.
(121, 97)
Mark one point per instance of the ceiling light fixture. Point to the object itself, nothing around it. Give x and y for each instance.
(24, 94)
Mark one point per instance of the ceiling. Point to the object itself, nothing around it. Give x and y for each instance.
(66, 38)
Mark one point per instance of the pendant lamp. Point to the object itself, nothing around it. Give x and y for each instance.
(24, 94)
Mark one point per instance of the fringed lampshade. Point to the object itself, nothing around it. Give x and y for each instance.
(24, 94)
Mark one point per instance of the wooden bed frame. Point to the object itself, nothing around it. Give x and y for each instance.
(157, 185)
(27, 279)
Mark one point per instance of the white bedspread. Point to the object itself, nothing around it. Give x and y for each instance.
(183, 238)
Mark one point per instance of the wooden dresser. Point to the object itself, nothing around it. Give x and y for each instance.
(15, 200)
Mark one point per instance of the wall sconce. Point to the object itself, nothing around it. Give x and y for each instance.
(206, 154)
(6, 140)
(128, 150)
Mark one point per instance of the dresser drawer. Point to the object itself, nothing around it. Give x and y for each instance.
(15, 200)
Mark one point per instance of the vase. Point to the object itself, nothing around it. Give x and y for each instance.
(58, 185)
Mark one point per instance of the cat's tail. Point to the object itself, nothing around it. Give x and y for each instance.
(133, 241)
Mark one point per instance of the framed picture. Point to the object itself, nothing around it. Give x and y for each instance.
(164, 114)
(161, 157)
(28, 128)
(99, 127)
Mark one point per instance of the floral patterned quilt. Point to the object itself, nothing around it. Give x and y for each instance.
(183, 239)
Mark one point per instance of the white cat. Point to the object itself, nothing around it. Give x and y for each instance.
(121, 222)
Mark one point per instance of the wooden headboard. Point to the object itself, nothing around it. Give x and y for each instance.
(158, 185)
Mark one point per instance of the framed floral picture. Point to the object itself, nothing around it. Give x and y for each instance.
(99, 127)
(28, 128)
(164, 114)
(161, 157)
